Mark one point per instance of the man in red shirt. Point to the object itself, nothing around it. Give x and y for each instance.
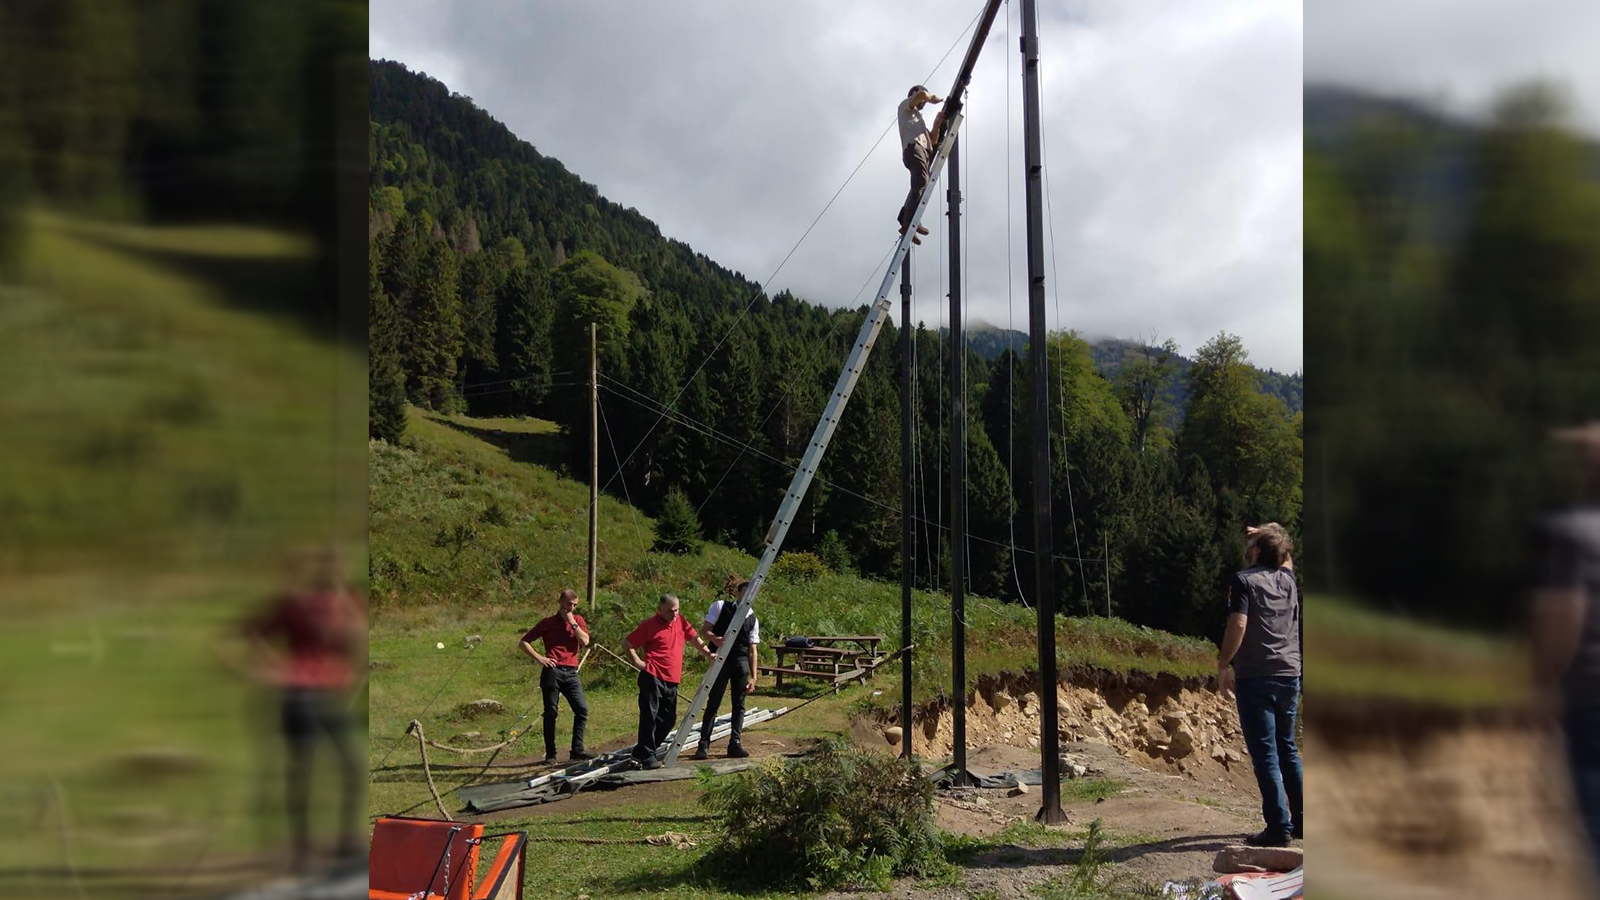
(564, 634)
(661, 637)
(307, 644)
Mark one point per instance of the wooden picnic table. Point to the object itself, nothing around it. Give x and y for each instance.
(867, 642)
(826, 661)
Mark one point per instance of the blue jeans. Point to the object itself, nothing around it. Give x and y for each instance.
(1266, 716)
(1583, 752)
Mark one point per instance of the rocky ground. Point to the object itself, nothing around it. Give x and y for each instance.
(1187, 790)
(1160, 724)
(1433, 803)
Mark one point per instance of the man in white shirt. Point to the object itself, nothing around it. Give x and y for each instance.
(738, 670)
(917, 150)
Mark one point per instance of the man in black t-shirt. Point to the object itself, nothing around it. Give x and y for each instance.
(738, 670)
(1262, 646)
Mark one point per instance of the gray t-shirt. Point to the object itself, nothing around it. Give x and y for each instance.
(1568, 547)
(1271, 602)
(912, 128)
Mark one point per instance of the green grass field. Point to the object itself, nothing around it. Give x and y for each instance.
(1356, 653)
(163, 444)
(469, 539)
(473, 532)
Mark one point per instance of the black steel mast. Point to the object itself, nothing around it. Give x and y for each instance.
(1038, 337)
(958, 483)
(907, 501)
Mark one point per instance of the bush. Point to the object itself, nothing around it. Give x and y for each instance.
(456, 539)
(495, 514)
(838, 817)
(798, 568)
(677, 527)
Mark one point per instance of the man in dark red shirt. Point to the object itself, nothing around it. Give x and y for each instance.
(308, 642)
(564, 634)
(661, 637)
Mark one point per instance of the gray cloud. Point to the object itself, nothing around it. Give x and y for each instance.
(1458, 54)
(1172, 136)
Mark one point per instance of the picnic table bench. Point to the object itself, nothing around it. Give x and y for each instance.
(827, 661)
(866, 642)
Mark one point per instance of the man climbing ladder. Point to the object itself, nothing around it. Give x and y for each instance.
(917, 150)
(941, 142)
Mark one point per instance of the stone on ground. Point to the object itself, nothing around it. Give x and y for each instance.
(1238, 859)
(476, 708)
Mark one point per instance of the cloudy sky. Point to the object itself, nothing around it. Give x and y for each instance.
(1172, 133)
(1458, 54)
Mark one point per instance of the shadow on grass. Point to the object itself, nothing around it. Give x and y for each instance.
(538, 449)
(699, 873)
(627, 820)
(1013, 857)
(301, 290)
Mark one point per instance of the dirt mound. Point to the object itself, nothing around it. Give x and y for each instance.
(1161, 722)
(1465, 799)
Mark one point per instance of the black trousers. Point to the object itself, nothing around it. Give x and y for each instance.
(917, 160)
(556, 682)
(658, 712)
(308, 712)
(735, 675)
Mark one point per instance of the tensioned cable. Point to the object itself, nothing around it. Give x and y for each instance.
(756, 295)
(942, 435)
(607, 424)
(464, 657)
(816, 355)
(1011, 357)
(709, 431)
(513, 390)
(1055, 288)
(483, 384)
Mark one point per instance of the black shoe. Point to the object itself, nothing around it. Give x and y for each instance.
(580, 754)
(702, 752)
(1298, 831)
(737, 752)
(652, 764)
(549, 756)
(1268, 837)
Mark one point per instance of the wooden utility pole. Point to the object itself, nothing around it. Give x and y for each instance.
(594, 464)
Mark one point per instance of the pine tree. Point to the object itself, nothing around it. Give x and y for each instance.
(435, 332)
(522, 338)
(480, 280)
(833, 552)
(677, 526)
(386, 397)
